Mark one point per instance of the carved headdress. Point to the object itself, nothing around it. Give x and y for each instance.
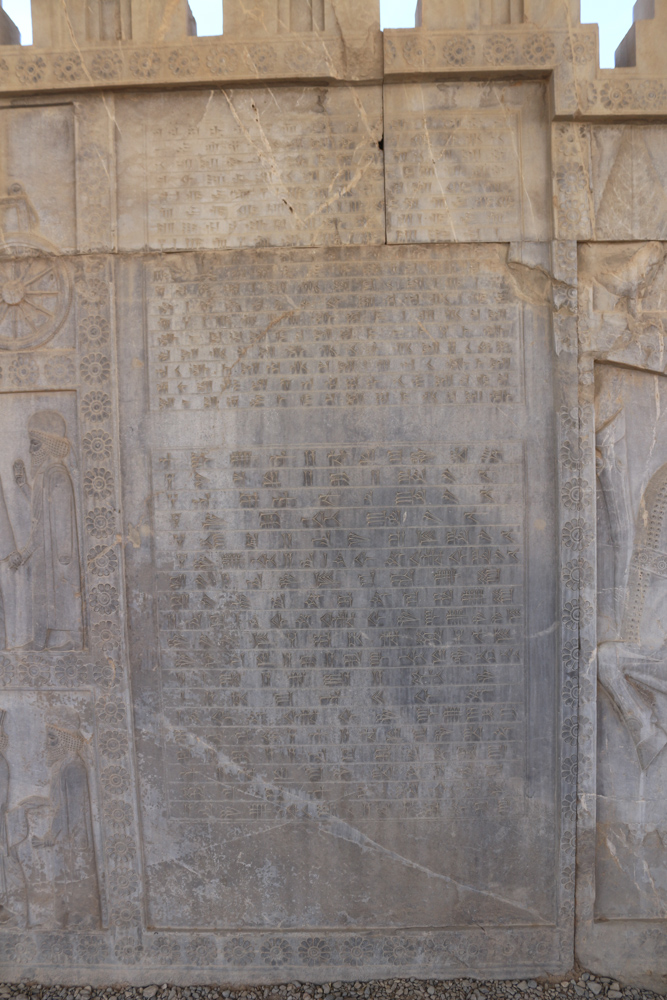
(50, 428)
(67, 724)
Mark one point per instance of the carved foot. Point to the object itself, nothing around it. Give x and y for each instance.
(7, 919)
(66, 647)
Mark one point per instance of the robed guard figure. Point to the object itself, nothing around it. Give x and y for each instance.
(53, 546)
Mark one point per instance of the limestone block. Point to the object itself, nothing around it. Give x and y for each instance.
(644, 44)
(467, 15)
(249, 18)
(466, 162)
(161, 21)
(470, 15)
(9, 33)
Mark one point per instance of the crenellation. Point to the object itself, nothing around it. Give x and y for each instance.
(83, 22)
(464, 15)
(642, 47)
(9, 33)
(261, 18)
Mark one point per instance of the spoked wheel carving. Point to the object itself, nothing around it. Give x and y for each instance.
(35, 292)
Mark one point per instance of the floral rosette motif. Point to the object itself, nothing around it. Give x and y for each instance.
(499, 50)
(145, 65)
(539, 50)
(419, 51)
(616, 96)
(60, 370)
(222, 61)
(30, 71)
(458, 51)
(651, 95)
(23, 371)
(183, 63)
(96, 407)
(261, 58)
(94, 330)
(68, 67)
(106, 65)
(580, 49)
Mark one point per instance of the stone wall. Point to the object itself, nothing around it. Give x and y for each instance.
(333, 468)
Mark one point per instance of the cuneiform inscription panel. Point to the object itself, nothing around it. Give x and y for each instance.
(337, 616)
(280, 333)
(338, 644)
(466, 161)
(289, 167)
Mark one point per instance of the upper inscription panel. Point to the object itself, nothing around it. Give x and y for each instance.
(466, 162)
(298, 166)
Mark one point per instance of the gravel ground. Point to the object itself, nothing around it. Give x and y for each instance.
(587, 986)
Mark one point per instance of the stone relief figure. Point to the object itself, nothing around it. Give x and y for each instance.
(632, 569)
(13, 896)
(53, 546)
(60, 864)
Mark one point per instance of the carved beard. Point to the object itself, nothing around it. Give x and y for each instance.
(67, 743)
(37, 460)
(53, 755)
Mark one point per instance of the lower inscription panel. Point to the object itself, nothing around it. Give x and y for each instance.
(342, 615)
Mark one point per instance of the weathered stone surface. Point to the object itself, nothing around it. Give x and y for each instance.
(466, 162)
(271, 17)
(293, 167)
(331, 495)
(338, 613)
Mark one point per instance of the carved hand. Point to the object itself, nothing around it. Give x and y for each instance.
(43, 841)
(15, 560)
(20, 477)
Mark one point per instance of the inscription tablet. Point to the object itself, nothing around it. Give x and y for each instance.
(466, 162)
(297, 166)
(339, 638)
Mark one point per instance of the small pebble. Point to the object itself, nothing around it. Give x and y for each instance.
(586, 985)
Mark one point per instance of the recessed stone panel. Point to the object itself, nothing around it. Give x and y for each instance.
(337, 636)
(466, 162)
(297, 166)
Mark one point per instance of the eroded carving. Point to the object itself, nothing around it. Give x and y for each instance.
(34, 289)
(633, 591)
(632, 650)
(52, 548)
(53, 836)
(13, 891)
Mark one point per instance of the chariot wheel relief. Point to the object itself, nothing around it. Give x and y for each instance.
(35, 292)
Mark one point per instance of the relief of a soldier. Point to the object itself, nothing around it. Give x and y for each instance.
(52, 550)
